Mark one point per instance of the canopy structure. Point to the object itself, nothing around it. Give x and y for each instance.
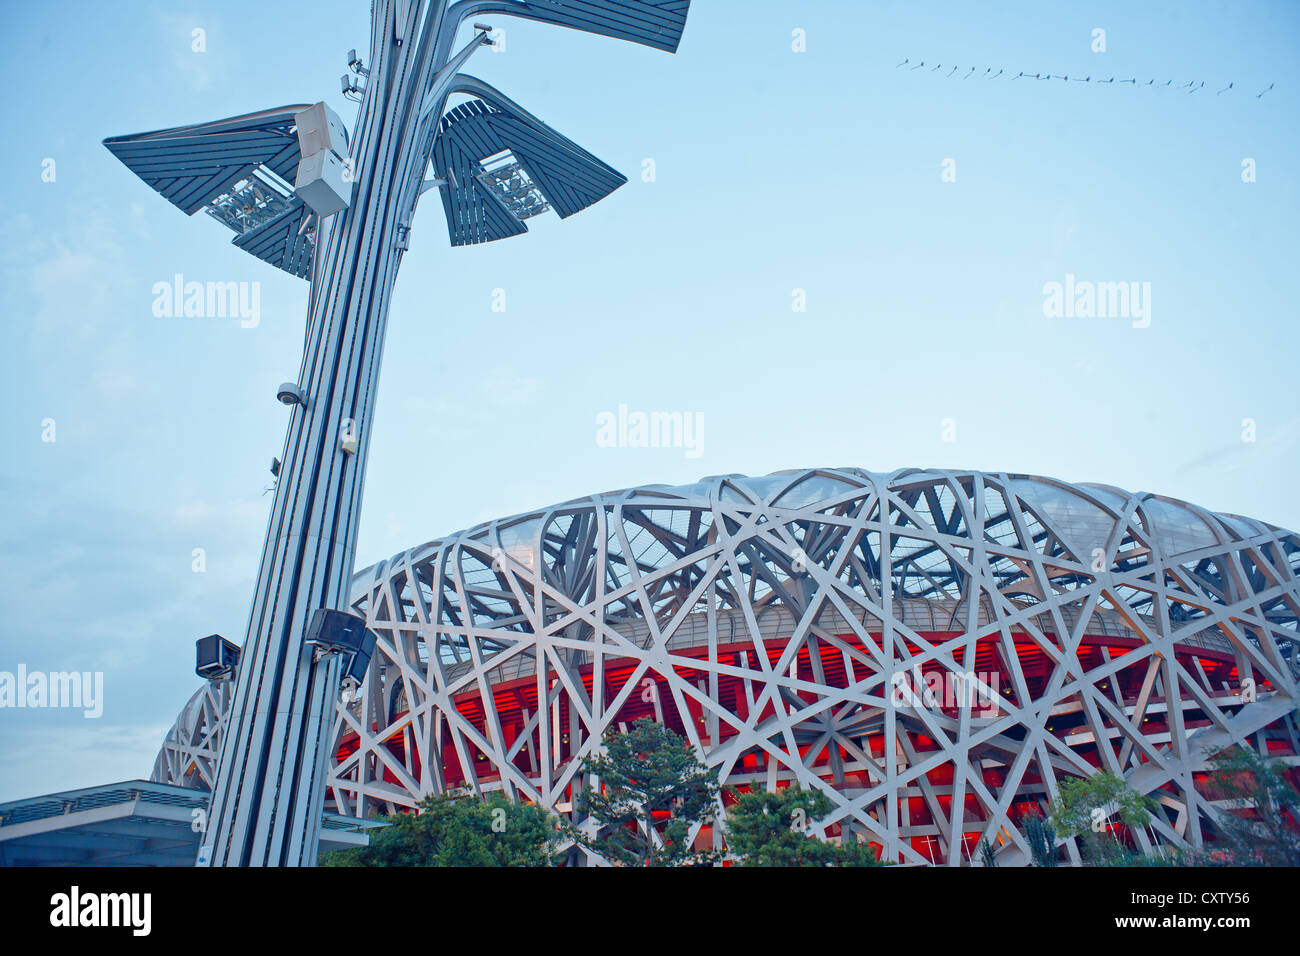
(133, 823)
(478, 138)
(652, 23)
(240, 171)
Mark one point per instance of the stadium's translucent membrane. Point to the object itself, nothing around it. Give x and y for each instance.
(935, 650)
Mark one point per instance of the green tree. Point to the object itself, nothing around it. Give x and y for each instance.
(987, 856)
(459, 829)
(1084, 804)
(1268, 833)
(652, 791)
(1041, 837)
(774, 829)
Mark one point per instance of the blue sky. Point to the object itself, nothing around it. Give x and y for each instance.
(775, 170)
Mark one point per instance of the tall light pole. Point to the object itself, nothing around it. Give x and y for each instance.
(344, 224)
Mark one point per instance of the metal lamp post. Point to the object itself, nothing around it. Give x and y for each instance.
(344, 224)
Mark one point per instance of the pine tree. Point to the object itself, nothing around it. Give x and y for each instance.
(652, 791)
(459, 829)
(1042, 840)
(775, 829)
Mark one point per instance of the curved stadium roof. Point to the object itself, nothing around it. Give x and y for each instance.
(788, 625)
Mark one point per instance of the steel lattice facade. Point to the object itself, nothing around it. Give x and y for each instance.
(188, 757)
(811, 627)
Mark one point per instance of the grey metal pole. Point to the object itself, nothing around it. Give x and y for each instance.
(270, 780)
(269, 792)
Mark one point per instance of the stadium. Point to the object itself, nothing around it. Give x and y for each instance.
(934, 650)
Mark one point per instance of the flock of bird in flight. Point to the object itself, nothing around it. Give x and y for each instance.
(1190, 87)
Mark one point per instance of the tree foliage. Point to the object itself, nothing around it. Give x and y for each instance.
(987, 856)
(1086, 807)
(1042, 839)
(1260, 823)
(459, 829)
(652, 791)
(775, 829)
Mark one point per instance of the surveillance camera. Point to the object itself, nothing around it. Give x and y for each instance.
(349, 691)
(290, 394)
(275, 467)
(485, 27)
